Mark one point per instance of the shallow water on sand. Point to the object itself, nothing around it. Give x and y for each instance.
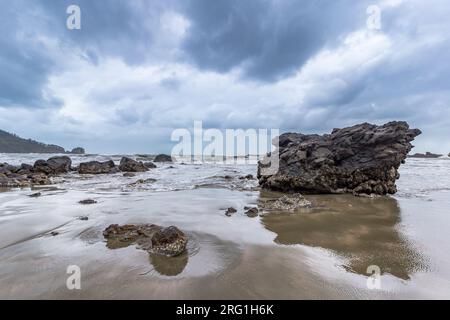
(321, 252)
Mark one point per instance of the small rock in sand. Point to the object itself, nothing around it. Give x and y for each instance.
(230, 211)
(129, 174)
(35, 195)
(252, 212)
(87, 201)
(155, 239)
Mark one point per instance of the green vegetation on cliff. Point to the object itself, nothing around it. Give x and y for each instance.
(10, 143)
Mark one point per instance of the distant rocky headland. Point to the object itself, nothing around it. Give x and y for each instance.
(11, 143)
(427, 155)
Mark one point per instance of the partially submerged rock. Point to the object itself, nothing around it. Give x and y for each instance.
(163, 158)
(141, 182)
(130, 165)
(150, 165)
(288, 202)
(155, 239)
(129, 174)
(96, 167)
(252, 212)
(359, 159)
(87, 201)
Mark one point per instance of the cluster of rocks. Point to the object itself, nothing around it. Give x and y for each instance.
(250, 212)
(152, 238)
(27, 175)
(362, 159)
(126, 165)
(40, 173)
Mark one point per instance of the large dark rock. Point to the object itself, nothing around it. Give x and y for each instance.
(362, 159)
(163, 158)
(96, 167)
(54, 165)
(130, 165)
(427, 155)
(152, 238)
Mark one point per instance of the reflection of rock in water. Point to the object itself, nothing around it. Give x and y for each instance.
(169, 266)
(364, 230)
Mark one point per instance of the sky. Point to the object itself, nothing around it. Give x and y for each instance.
(137, 70)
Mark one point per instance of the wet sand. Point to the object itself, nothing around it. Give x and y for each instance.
(318, 253)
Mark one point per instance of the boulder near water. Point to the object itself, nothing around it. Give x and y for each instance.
(96, 167)
(362, 159)
(130, 165)
(54, 165)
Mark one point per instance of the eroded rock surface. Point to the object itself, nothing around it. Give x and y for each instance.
(362, 159)
(155, 239)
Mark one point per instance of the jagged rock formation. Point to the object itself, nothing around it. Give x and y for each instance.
(290, 202)
(362, 159)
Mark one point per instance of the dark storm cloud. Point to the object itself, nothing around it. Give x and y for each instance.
(24, 64)
(269, 39)
(110, 28)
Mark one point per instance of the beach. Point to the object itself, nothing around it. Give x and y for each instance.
(318, 252)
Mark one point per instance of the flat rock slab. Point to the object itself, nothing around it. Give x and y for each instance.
(288, 202)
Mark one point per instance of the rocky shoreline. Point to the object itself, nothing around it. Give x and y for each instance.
(42, 171)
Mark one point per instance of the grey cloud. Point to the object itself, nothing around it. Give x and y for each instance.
(24, 63)
(268, 39)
